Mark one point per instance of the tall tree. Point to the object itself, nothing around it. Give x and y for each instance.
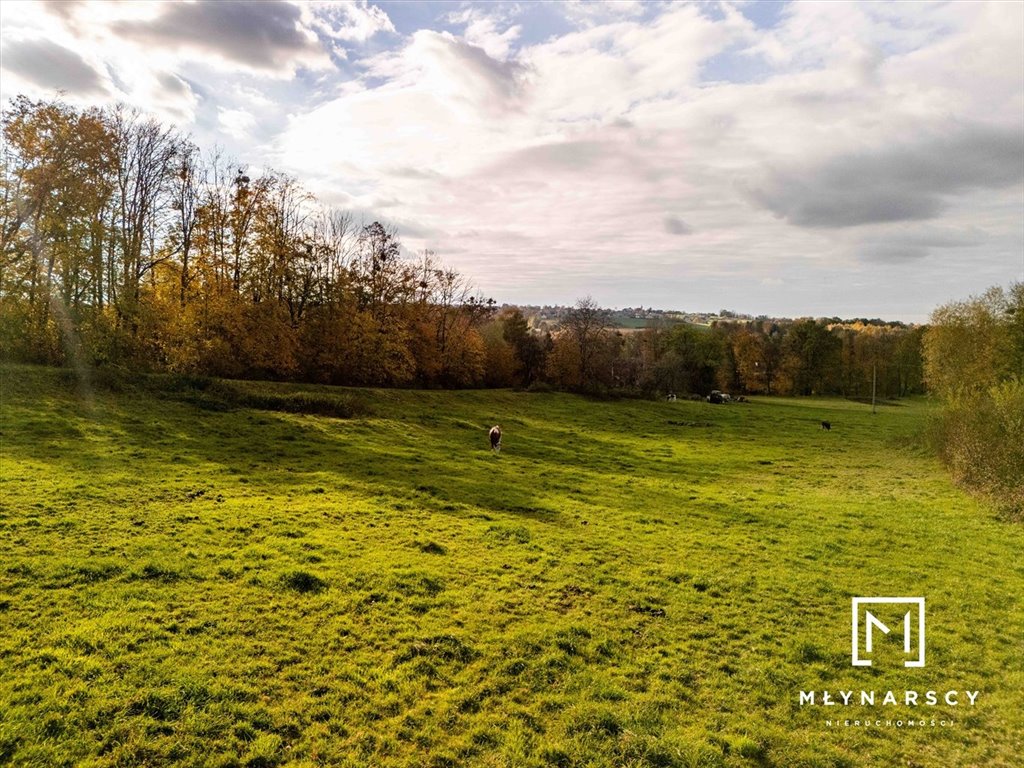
(186, 191)
(528, 348)
(975, 343)
(57, 185)
(812, 357)
(145, 155)
(585, 325)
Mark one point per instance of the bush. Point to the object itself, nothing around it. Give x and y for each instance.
(980, 436)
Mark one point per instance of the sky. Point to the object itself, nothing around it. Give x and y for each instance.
(788, 159)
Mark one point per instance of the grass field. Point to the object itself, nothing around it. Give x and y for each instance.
(184, 581)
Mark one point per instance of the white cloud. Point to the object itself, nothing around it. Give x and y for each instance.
(481, 28)
(237, 123)
(847, 140)
(445, 107)
(604, 146)
(347, 22)
(596, 12)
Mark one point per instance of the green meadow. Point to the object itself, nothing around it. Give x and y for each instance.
(251, 574)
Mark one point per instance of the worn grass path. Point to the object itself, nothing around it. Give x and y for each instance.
(627, 584)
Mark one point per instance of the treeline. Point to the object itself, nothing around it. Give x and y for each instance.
(122, 243)
(797, 357)
(974, 361)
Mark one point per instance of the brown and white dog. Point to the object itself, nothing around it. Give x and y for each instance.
(495, 435)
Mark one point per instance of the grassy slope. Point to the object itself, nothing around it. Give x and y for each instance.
(185, 586)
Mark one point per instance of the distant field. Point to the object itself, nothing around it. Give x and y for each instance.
(185, 581)
(626, 324)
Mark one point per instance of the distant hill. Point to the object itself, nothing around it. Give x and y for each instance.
(548, 317)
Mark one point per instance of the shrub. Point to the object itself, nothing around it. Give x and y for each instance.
(980, 436)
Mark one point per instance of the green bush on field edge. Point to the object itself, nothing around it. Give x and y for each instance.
(980, 436)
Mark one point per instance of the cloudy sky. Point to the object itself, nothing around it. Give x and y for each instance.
(788, 159)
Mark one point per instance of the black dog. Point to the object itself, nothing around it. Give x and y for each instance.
(827, 426)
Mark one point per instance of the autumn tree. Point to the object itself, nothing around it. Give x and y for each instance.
(974, 360)
(975, 343)
(145, 153)
(758, 352)
(186, 199)
(526, 345)
(812, 356)
(584, 328)
(57, 187)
